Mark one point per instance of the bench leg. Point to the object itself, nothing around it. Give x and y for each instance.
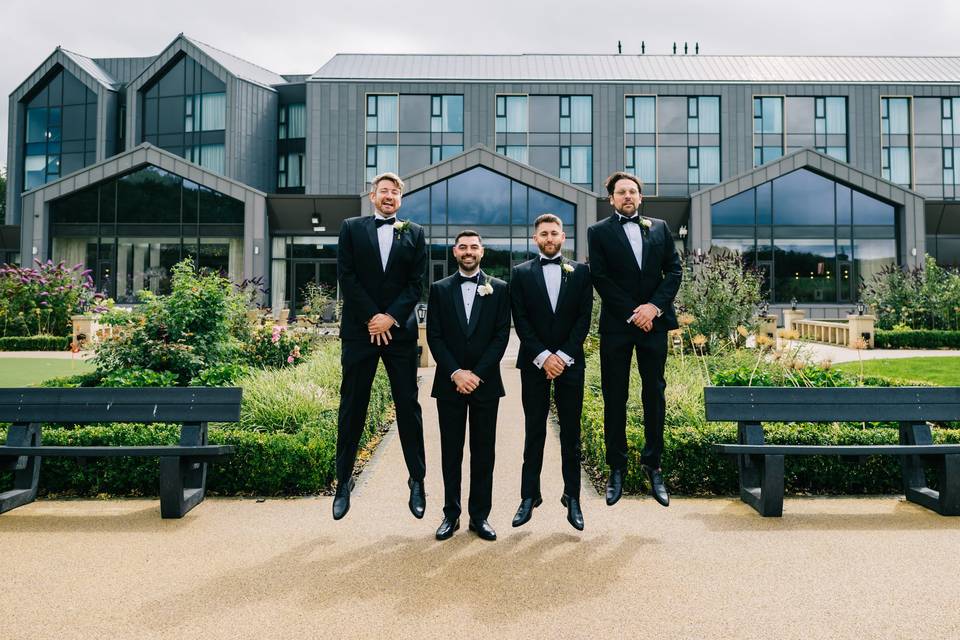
(183, 482)
(946, 502)
(761, 476)
(26, 477)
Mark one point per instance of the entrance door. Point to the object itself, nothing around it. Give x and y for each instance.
(314, 272)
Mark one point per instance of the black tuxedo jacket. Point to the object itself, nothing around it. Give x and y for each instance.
(537, 325)
(476, 346)
(366, 289)
(623, 285)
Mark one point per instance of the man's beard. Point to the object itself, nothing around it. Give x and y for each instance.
(475, 267)
(550, 255)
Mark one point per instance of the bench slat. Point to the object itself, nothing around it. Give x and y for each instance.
(838, 450)
(116, 452)
(86, 406)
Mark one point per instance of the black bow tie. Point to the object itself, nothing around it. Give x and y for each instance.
(382, 221)
(475, 278)
(555, 260)
(625, 220)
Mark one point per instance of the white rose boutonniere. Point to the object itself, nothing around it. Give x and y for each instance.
(485, 289)
(401, 226)
(567, 267)
(646, 223)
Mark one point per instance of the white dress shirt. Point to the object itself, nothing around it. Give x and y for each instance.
(635, 236)
(552, 276)
(469, 292)
(385, 238)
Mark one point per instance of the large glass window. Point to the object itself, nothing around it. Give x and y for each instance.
(408, 132)
(500, 209)
(184, 111)
(817, 122)
(132, 229)
(293, 121)
(687, 145)
(553, 133)
(60, 132)
(896, 140)
(815, 239)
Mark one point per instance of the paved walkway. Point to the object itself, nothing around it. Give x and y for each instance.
(836, 354)
(235, 568)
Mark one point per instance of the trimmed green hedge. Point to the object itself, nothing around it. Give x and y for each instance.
(692, 467)
(917, 339)
(285, 441)
(35, 343)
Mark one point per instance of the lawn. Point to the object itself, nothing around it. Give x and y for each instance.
(24, 372)
(939, 371)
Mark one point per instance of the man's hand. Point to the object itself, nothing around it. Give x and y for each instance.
(466, 381)
(643, 316)
(380, 323)
(379, 327)
(553, 366)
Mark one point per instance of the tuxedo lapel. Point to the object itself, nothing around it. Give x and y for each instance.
(621, 235)
(458, 307)
(374, 240)
(564, 284)
(394, 246)
(536, 271)
(645, 236)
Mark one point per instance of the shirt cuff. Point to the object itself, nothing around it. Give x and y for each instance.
(454, 373)
(565, 358)
(541, 358)
(659, 310)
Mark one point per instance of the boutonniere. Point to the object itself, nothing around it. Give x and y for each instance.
(567, 267)
(646, 223)
(485, 289)
(401, 226)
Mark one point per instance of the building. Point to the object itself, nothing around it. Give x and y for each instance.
(820, 170)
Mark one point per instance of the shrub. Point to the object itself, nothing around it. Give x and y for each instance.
(276, 347)
(35, 343)
(721, 293)
(927, 298)
(40, 300)
(139, 377)
(917, 339)
(200, 324)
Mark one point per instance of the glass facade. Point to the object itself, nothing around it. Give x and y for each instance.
(818, 122)
(184, 112)
(937, 147)
(814, 239)
(291, 147)
(60, 134)
(896, 140)
(132, 229)
(553, 133)
(408, 132)
(687, 139)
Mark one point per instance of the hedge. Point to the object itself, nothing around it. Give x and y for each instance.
(285, 441)
(35, 343)
(692, 467)
(917, 339)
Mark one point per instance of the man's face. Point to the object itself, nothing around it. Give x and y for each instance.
(549, 237)
(386, 197)
(626, 197)
(467, 252)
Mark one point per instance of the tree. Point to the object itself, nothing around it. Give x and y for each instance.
(3, 195)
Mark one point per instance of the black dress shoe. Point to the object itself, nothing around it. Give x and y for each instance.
(341, 499)
(614, 486)
(525, 510)
(447, 527)
(483, 530)
(418, 498)
(657, 489)
(574, 515)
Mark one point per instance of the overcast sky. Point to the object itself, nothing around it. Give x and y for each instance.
(299, 37)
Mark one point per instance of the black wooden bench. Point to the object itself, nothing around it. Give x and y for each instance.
(761, 465)
(183, 468)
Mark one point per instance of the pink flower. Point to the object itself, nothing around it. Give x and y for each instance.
(290, 359)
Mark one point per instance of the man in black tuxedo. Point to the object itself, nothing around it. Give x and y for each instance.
(552, 298)
(637, 271)
(381, 264)
(468, 326)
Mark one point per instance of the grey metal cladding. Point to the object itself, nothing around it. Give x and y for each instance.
(123, 70)
(646, 68)
(251, 148)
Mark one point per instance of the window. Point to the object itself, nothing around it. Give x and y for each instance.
(293, 121)
(382, 113)
(642, 162)
(446, 114)
(381, 158)
(896, 140)
(768, 133)
(290, 170)
(703, 114)
(641, 114)
(59, 129)
(511, 114)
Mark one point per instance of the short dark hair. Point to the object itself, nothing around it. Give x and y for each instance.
(467, 232)
(616, 176)
(547, 217)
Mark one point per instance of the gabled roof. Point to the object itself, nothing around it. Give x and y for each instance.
(238, 66)
(646, 68)
(95, 71)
